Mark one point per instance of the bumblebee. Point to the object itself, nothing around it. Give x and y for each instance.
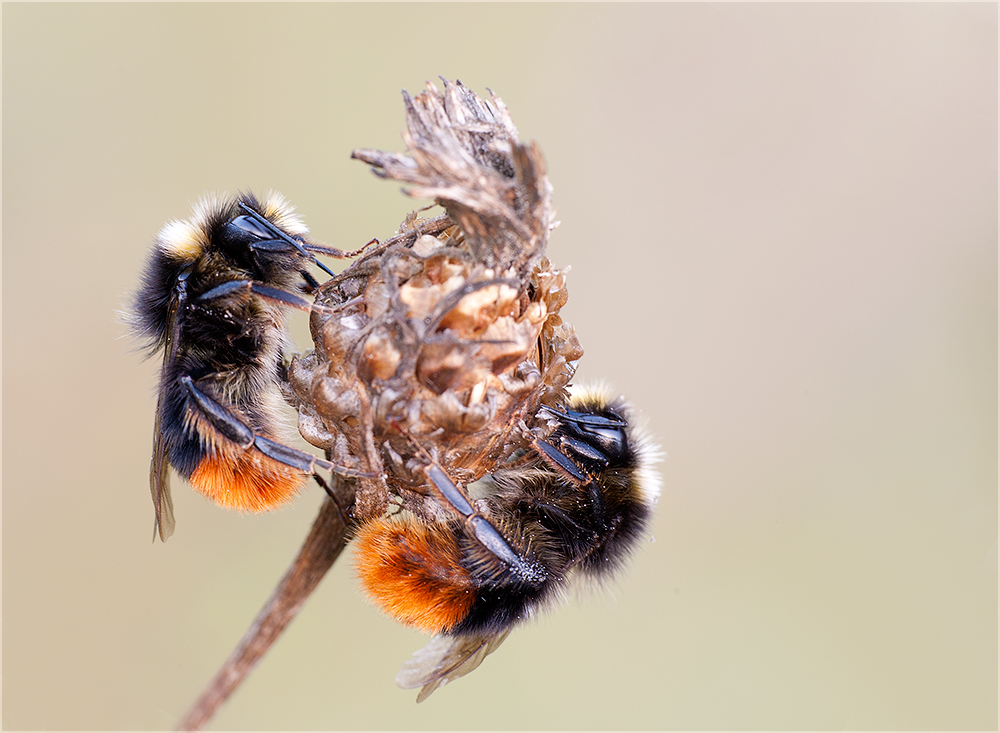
(578, 506)
(214, 297)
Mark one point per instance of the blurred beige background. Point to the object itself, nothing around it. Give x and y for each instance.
(782, 224)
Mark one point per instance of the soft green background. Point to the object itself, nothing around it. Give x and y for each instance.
(782, 224)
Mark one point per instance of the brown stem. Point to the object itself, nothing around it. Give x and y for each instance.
(324, 544)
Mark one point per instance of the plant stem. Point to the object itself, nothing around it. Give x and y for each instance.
(320, 550)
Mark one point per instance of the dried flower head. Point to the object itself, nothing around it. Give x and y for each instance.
(440, 358)
(446, 339)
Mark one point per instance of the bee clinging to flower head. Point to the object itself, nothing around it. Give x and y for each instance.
(213, 299)
(578, 504)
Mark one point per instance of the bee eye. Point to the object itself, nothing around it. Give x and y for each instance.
(250, 226)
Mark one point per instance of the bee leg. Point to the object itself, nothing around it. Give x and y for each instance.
(301, 460)
(481, 528)
(234, 429)
(311, 282)
(264, 291)
(339, 253)
(230, 426)
(560, 461)
(333, 497)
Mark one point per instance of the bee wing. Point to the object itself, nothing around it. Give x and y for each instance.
(444, 659)
(159, 478)
(159, 482)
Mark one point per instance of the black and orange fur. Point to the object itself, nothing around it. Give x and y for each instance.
(213, 299)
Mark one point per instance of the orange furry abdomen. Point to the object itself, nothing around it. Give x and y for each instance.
(412, 571)
(246, 480)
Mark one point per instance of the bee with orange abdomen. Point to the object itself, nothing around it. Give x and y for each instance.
(213, 299)
(579, 507)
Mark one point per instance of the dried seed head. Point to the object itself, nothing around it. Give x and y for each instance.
(445, 339)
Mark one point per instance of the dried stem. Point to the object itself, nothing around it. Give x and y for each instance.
(321, 548)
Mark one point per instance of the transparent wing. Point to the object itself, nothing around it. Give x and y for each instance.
(159, 482)
(444, 659)
(159, 479)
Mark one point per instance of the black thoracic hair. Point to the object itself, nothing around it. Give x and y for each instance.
(215, 251)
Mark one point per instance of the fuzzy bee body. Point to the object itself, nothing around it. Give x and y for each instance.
(213, 299)
(580, 508)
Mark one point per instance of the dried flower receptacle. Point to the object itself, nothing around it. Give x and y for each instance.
(445, 339)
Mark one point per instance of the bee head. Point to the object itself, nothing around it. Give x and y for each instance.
(262, 238)
(595, 441)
